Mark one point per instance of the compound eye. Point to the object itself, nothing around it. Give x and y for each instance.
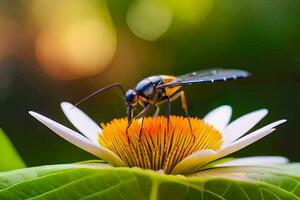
(131, 97)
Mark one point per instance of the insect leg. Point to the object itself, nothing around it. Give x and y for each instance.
(142, 123)
(168, 111)
(169, 99)
(142, 114)
(129, 118)
(185, 108)
(145, 108)
(156, 111)
(128, 125)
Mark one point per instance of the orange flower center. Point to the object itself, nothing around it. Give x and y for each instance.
(158, 145)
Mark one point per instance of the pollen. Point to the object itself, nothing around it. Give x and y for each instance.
(157, 144)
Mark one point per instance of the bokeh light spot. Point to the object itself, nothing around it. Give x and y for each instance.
(191, 11)
(149, 19)
(78, 42)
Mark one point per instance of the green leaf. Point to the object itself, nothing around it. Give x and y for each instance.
(9, 157)
(101, 181)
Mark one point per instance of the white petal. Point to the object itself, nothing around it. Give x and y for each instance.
(81, 121)
(194, 162)
(219, 117)
(242, 125)
(255, 160)
(248, 139)
(79, 140)
(200, 158)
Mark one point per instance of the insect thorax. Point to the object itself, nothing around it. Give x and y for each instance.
(147, 86)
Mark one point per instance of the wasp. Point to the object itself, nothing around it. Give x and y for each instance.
(155, 90)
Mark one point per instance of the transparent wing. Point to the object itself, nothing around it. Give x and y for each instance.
(205, 76)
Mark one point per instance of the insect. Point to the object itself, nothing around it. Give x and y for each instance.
(155, 90)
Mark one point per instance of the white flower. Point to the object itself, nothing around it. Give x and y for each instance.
(233, 136)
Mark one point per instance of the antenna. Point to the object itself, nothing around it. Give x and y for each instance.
(101, 90)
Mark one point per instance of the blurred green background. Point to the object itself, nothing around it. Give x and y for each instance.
(62, 50)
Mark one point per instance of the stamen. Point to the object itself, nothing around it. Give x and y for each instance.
(159, 147)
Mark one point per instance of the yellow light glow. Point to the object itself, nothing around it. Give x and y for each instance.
(149, 19)
(76, 40)
(191, 11)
